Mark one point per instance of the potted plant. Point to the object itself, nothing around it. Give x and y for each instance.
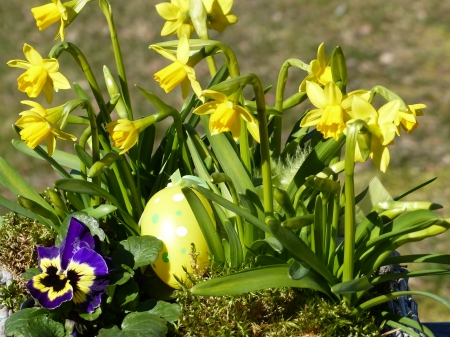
(242, 210)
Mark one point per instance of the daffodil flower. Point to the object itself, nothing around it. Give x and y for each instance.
(57, 11)
(329, 117)
(379, 125)
(225, 115)
(408, 119)
(219, 16)
(41, 75)
(177, 15)
(125, 133)
(178, 72)
(74, 271)
(39, 123)
(319, 70)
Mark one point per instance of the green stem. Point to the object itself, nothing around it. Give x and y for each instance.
(349, 233)
(106, 8)
(244, 146)
(86, 68)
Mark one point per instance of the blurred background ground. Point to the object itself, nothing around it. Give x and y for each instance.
(403, 45)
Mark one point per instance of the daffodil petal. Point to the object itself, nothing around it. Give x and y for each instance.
(215, 95)
(183, 50)
(167, 11)
(185, 88)
(333, 94)
(32, 55)
(207, 108)
(51, 144)
(59, 80)
(316, 95)
(63, 135)
(169, 28)
(19, 64)
(48, 91)
(51, 65)
(247, 116)
(311, 118)
(194, 83)
(388, 113)
(163, 52)
(253, 128)
(380, 155)
(321, 57)
(361, 109)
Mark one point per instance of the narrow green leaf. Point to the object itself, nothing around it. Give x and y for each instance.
(425, 258)
(353, 286)
(415, 273)
(100, 211)
(62, 158)
(404, 321)
(236, 253)
(257, 279)
(401, 196)
(25, 212)
(14, 182)
(39, 210)
(208, 229)
(388, 95)
(387, 297)
(232, 207)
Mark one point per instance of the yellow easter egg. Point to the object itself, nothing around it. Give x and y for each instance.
(169, 217)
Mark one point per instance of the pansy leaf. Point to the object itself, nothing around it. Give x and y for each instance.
(30, 273)
(138, 324)
(169, 311)
(21, 318)
(126, 293)
(89, 221)
(42, 326)
(145, 249)
(91, 316)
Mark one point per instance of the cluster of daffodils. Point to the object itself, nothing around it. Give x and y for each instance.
(336, 110)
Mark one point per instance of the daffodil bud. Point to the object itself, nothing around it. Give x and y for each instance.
(283, 199)
(113, 90)
(298, 221)
(58, 203)
(324, 185)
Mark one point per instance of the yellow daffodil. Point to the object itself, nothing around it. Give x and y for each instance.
(39, 123)
(225, 115)
(329, 118)
(178, 72)
(125, 133)
(408, 119)
(57, 11)
(380, 126)
(218, 14)
(177, 15)
(41, 75)
(319, 70)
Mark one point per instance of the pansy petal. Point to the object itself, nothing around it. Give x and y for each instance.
(50, 290)
(78, 236)
(88, 275)
(48, 258)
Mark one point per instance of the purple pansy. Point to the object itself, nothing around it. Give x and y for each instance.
(74, 271)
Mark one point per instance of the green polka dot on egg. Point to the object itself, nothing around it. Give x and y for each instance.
(165, 257)
(178, 212)
(183, 250)
(155, 218)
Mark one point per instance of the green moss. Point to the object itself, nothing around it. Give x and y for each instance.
(19, 237)
(269, 312)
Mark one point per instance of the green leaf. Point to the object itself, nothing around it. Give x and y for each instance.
(126, 293)
(298, 270)
(236, 253)
(206, 225)
(388, 95)
(30, 273)
(376, 193)
(425, 258)
(62, 158)
(169, 311)
(23, 211)
(398, 197)
(14, 182)
(21, 318)
(415, 273)
(257, 279)
(145, 249)
(138, 324)
(232, 207)
(387, 297)
(401, 321)
(99, 211)
(91, 317)
(97, 168)
(353, 286)
(36, 208)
